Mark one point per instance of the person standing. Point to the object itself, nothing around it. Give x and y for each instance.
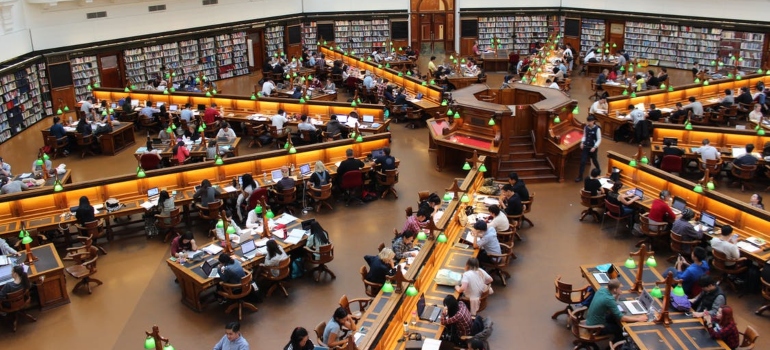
(232, 340)
(589, 144)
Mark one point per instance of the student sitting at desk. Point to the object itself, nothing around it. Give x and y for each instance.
(403, 245)
(320, 176)
(336, 334)
(756, 201)
(148, 111)
(708, 152)
(183, 243)
(6, 249)
(330, 87)
(600, 106)
(710, 299)
(726, 243)
(279, 119)
(685, 229)
(164, 135)
(334, 127)
(641, 84)
(747, 159)
(267, 87)
(552, 84)
(388, 94)
(380, 266)
(226, 132)
(38, 168)
(652, 81)
(660, 212)
(654, 114)
(299, 340)
(414, 222)
(485, 240)
(180, 152)
(604, 311)
(458, 319)
(318, 237)
(230, 271)
(19, 281)
(510, 201)
(590, 57)
(349, 164)
(623, 200)
(744, 97)
(56, 130)
(724, 328)
(558, 75)
(84, 212)
(690, 273)
(496, 219)
(386, 161)
(474, 283)
(127, 107)
(662, 75)
(695, 107)
(211, 150)
(206, 194)
(601, 79)
(220, 231)
(286, 182)
(8, 186)
(756, 114)
(275, 255)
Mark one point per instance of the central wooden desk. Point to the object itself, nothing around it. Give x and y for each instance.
(495, 62)
(192, 280)
(120, 138)
(47, 273)
(594, 69)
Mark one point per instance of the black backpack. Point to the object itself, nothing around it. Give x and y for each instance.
(477, 325)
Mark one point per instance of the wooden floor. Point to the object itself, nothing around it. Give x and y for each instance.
(139, 289)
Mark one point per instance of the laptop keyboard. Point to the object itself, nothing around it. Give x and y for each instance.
(636, 306)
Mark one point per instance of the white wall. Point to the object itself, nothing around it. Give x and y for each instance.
(311, 6)
(468, 4)
(15, 44)
(746, 10)
(14, 35)
(133, 19)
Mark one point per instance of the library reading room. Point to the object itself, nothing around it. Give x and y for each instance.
(398, 175)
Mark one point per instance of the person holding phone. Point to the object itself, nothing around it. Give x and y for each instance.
(726, 243)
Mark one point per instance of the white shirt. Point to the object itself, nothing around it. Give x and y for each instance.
(598, 107)
(708, 152)
(230, 133)
(278, 120)
(591, 54)
(267, 88)
(86, 107)
(554, 85)
(728, 248)
(754, 116)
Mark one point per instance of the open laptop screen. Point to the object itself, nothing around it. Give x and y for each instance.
(248, 246)
(708, 219)
(679, 204)
(304, 169)
(276, 175)
(153, 192)
(639, 193)
(173, 108)
(673, 140)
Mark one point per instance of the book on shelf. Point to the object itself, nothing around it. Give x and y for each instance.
(274, 42)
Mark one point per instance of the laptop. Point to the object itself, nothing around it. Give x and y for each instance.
(304, 170)
(429, 313)
(5, 274)
(209, 268)
(639, 193)
(679, 204)
(351, 122)
(134, 103)
(604, 277)
(707, 222)
(640, 305)
(673, 140)
(279, 86)
(201, 107)
(153, 194)
(378, 153)
(113, 105)
(249, 249)
(306, 224)
(342, 118)
(4, 260)
(159, 104)
(173, 108)
(368, 118)
(276, 175)
(157, 141)
(223, 139)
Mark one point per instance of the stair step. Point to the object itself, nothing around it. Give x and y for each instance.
(522, 163)
(525, 138)
(520, 147)
(530, 154)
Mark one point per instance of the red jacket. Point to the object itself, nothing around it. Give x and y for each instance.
(661, 212)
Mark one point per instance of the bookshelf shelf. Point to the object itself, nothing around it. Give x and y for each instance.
(592, 32)
(362, 37)
(25, 98)
(310, 36)
(84, 69)
(135, 66)
(274, 40)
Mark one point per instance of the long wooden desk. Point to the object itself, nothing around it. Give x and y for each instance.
(40, 208)
(723, 139)
(746, 220)
(48, 274)
(594, 69)
(120, 138)
(49, 182)
(315, 95)
(685, 332)
(460, 81)
(196, 150)
(192, 281)
(495, 62)
(383, 320)
(380, 124)
(614, 120)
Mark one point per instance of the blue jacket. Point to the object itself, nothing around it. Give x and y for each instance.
(691, 275)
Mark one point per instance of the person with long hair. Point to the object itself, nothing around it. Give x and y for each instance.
(275, 255)
(205, 193)
(85, 212)
(300, 340)
(724, 328)
(180, 152)
(318, 236)
(165, 205)
(338, 328)
(19, 281)
(474, 283)
(248, 186)
(182, 244)
(456, 317)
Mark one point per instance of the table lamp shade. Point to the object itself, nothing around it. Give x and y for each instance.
(645, 160)
(630, 263)
(698, 188)
(258, 209)
(465, 198)
(218, 161)
(292, 150)
(466, 166)
(651, 262)
(678, 291)
(483, 168)
(656, 292)
(270, 214)
(557, 120)
(441, 238)
(149, 343)
(169, 347)
(58, 187)
(140, 173)
(447, 197)
(220, 224)
(411, 290)
(710, 185)
(421, 236)
(230, 230)
(39, 162)
(632, 163)
(387, 287)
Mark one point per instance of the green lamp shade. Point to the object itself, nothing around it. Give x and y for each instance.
(411, 291)
(606, 50)
(614, 45)
(149, 343)
(208, 94)
(324, 42)
(678, 291)
(39, 162)
(662, 86)
(441, 238)
(465, 198)
(198, 80)
(387, 65)
(352, 134)
(466, 166)
(23, 233)
(259, 94)
(169, 347)
(253, 97)
(729, 75)
(359, 138)
(457, 115)
(26, 240)
(286, 145)
(133, 87)
(301, 100)
(576, 110)
(230, 230)
(710, 185)
(140, 174)
(697, 80)
(447, 197)
(409, 73)
(630, 263)
(645, 160)
(625, 92)
(59, 111)
(651, 261)
(270, 214)
(400, 74)
(632, 163)
(258, 209)
(557, 120)
(631, 69)
(387, 113)
(421, 236)
(491, 121)
(126, 89)
(432, 82)
(218, 161)
(444, 102)
(451, 57)
(622, 68)
(424, 83)
(688, 126)
(292, 150)
(740, 59)
(112, 111)
(387, 287)
(713, 63)
(96, 85)
(607, 45)
(88, 87)
(633, 94)
(353, 104)
(379, 66)
(698, 189)
(706, 82)
(739, 77)
(721, 64)
(670, 88)
(58, 187)
(656, 292)
(165, 92)
(483, 168)
(200, 128)
(66, 108)
(220, 224)
(759, 71)
(449, 112)
(169, 130)
(761, 132)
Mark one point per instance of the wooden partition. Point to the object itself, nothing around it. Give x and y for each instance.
(747, 221)
(22, 207)
(724, 139)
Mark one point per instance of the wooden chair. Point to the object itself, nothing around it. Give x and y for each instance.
(174, 218)
(680, 247)
(363, 303)
(210, 212)
(585, 336)
(749, 339)
(515, 222)
(591, 203)
(568, 295)
(94, 229)
(253, 132)
(566, 86)
(276, 281)
(413, 118)
(718, 118)
(482, 302)
(238, 292)
(507, 237)
(652, 232)
(671, 164)
(285, 199)
(321, 197)
(148, 124)
(500, 263)
(325, 255)
(729, 114)
(422, 196)
(388, 179)
(85, 143)
(57, 146)
(370, 288)
(319, 334)
(743, 174)
(527, 209)
(279, 136)
(765, 295)
(77, 251)
(131, 117)
(614, 212)
(596, 92)
(85, 268)
(714, 166)
(325, 136)
(14, 304)
(720, 262)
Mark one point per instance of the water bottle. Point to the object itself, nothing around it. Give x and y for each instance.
(264, 177)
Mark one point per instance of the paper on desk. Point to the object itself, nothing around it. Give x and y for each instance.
(469, 236)
(431, 344)
(147, 205)
(491, 201)
(285, 219)
(25, 175)
(437, 216)
(261, 242)
(230, 189)
(212, 249)
(606, 182)
(191, 254)
(69, 129)
(747, 246)
(666, 110)
(357, 336)
(376, 125)
(755, 240)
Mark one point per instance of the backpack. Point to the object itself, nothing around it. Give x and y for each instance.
(591, 291)
(477, 325)
(297, 268)
(680, 303)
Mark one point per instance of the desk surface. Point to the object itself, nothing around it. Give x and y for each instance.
(48, 260)
(196, 149)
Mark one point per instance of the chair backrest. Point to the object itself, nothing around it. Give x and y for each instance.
(306, 135)
(671, 163)
(765, 289)
(319, 333)
(213, 210)
(506, 236)
(175, 216)
(15, 301)
(749, 338)
(650, 229)
(149, 161)
(589, 201)
(240, 290)
(528, 203)
(713, 165)
(324, 193)
(93, 229)
(283, 270)
(351, 179)
(745, 172)
(345, 303)
(720, 260)
(325, 254)
(422, 196)
(370, 288)
(255, 196)
(287, 196)
(277, 133)
(389, 178)
(90, 264)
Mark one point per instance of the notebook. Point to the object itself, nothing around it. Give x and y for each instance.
(276, 175)
(639, 306)
(639, 193)
(368, 119)
(304, 170)
(209, 268)
(173, 108)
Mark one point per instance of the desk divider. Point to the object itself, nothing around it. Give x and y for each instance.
(717, 136)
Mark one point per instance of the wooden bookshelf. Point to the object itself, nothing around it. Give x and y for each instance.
(592, 32)
(135, 69)
(274, 42)
(361, 37)
(697, 45)
(310, 36)
(153, 61)
(745, 49)
(85, 70)
(529, 30)
(189, 63)
(208, 62)
(500, 28)
(25, 97)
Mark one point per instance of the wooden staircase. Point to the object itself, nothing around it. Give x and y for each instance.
(522, 159)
